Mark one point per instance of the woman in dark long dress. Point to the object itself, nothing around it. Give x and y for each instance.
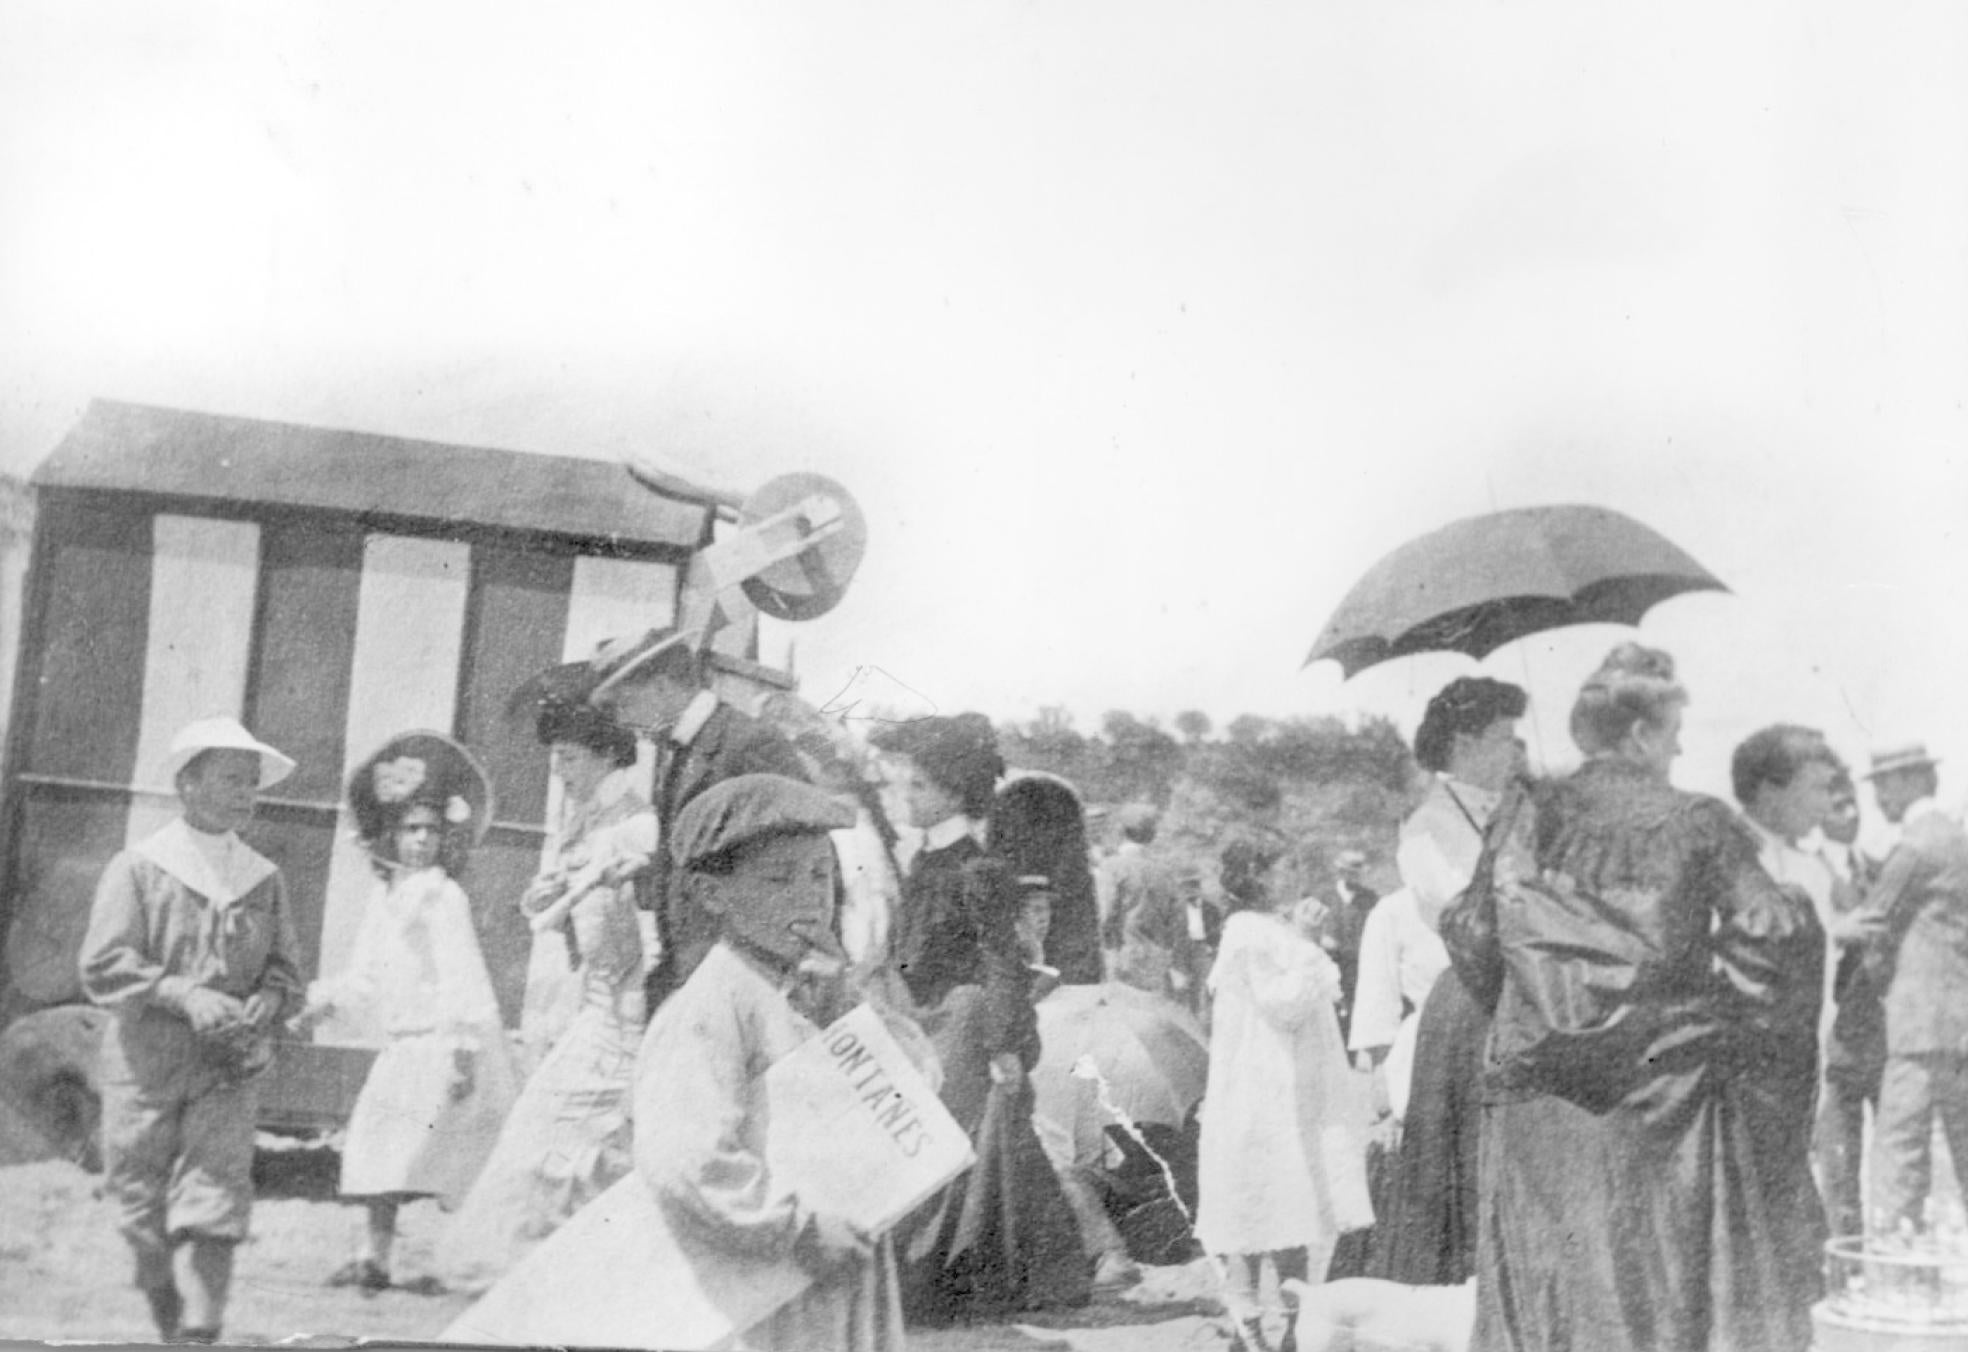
(1002, 1237)
(1426, 1229)
(1649, 1078)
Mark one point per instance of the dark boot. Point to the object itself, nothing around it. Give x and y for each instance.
(166, 1309)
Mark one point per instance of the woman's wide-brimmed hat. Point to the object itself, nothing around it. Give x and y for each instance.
(420, 768)
(225, 734)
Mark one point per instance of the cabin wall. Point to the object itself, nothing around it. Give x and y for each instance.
(16, 540)
(330, 637)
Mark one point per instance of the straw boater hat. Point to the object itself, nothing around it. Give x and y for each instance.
(1910, 756)
(225, 734)
(587, 679)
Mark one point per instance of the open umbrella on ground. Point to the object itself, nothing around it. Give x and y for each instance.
(1477, 584)
(1151, 1052)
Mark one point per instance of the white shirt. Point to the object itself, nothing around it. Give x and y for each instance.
(1794, 866)
(694, 716)
(1400, 957)
(871, 891)
(938, 837)
(1790, 865)
(1440, 842)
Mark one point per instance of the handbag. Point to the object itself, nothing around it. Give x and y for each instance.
(1469, 924)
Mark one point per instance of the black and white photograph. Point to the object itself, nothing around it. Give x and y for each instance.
(845, 675)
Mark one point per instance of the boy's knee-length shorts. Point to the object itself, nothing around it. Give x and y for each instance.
(177, 1147)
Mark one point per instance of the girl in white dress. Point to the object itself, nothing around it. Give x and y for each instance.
(442, 1084)
(1282, 1165)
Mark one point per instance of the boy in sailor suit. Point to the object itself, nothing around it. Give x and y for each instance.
(191, 946)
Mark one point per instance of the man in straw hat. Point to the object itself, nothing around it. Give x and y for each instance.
(658, 686)
(1922, 957)
(191, 947)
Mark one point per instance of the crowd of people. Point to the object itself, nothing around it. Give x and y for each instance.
(1604, 1056)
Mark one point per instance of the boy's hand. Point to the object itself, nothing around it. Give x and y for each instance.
(260, 1007)
(208, 1010)
(827, 1245)
(1006, 1068)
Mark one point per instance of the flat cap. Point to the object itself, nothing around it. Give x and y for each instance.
(738, 811)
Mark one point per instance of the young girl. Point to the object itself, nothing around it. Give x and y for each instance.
(439, 1089)
(1282, 1168)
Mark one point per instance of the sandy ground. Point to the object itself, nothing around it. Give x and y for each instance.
(65, 1275)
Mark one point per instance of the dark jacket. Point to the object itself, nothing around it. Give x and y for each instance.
(729, 744)
(957, 927)
(1652, 1066)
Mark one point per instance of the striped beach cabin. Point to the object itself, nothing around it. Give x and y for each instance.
(329, 588)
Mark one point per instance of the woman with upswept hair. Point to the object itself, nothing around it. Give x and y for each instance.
(1002, 1237)
(1426, 1232)
(1651, 1064)
(569, 1137)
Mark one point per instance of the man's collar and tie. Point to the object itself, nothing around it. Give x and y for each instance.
(691, 721)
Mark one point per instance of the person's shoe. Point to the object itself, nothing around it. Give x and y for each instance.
(363, 1273)
(1248, 1336)
(196, 1337)
(166, 1309)
(1115, 1272)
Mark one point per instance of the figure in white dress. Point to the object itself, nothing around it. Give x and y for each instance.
(440, 1087)
(1282, 1166)
(569, 1137)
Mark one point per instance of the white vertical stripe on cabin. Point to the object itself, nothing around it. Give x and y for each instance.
(409, 642)
(204, 581)
(608, 598)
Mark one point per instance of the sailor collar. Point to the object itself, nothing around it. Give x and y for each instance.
(221, 868)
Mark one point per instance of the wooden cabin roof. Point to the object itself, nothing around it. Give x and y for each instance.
(214, 459)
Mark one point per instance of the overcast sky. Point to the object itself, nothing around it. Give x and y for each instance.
(1139, 329)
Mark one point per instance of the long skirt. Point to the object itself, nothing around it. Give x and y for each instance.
(1425, 1234)
(1001, 1238)
(567, 1139)
(1682, 1233)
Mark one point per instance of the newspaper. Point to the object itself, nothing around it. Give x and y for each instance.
(854, 1130)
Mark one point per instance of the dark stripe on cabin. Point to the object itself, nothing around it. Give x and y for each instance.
(297, 700)
(87, 673)
(94, 636)
(515, 623)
